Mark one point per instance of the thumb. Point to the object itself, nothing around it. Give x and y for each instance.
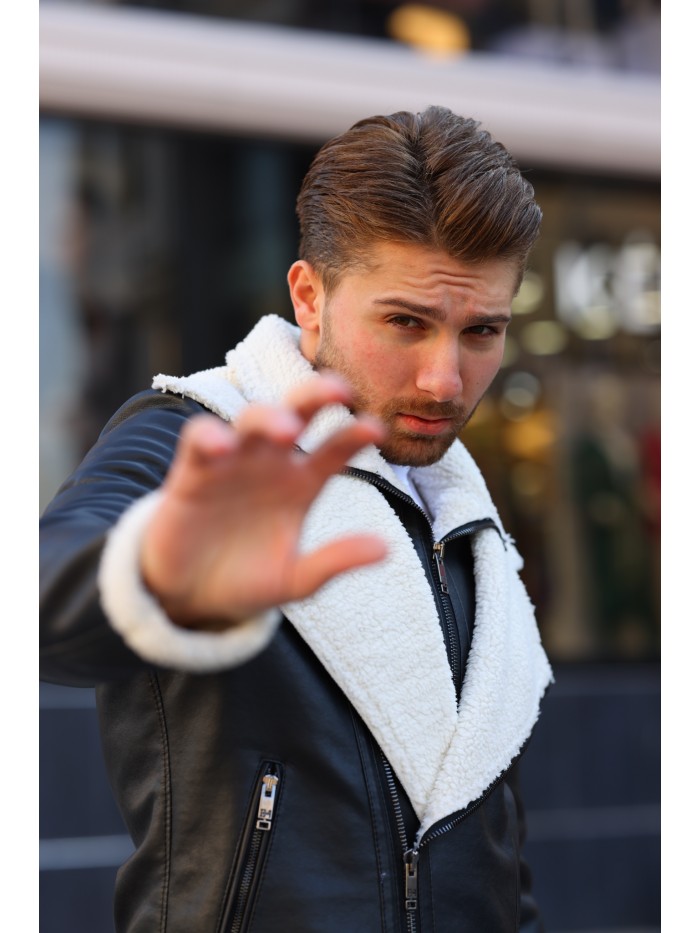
(321, 565)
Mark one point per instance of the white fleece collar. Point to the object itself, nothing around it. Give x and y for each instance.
(376, 629)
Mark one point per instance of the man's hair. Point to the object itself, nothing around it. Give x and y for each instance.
(431, 178)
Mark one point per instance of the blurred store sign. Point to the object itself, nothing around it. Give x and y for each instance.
(600, 290)
(198, 72)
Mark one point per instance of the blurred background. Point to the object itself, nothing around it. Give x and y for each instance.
(173, 140)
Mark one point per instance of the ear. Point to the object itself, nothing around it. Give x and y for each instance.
(306, 292)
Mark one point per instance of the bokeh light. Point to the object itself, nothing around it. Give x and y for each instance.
(530, 294)
(434, 31)
(544, 338)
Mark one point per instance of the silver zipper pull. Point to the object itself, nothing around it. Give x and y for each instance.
(266, 805)
(438, 552)
(410, 859)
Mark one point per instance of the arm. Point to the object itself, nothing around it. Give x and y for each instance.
(78, 646)
(200, 564)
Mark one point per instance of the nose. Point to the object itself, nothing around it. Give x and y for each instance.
(439, 373)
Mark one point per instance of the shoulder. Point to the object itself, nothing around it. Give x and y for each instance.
(153, 403)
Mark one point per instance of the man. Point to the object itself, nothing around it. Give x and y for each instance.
(315, 680)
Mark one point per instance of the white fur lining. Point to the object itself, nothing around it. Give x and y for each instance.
(209, 387)
(376, 629)
(139, 619)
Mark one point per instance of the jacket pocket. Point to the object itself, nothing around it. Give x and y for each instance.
(251, 853)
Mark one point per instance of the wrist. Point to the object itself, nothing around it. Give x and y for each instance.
(135, 613)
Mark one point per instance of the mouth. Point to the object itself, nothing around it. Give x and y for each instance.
(431, 427)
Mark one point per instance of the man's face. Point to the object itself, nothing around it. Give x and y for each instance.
(419, 337)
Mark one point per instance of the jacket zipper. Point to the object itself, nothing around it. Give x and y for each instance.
(438, 571)
(439, 577)
(258, 827)
(442, 588)
(411, 854)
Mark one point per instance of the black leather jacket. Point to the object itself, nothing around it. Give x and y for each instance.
(257, 798)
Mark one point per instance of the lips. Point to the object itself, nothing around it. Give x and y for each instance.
(417, 424)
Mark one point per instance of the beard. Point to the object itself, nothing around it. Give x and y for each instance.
(401, 446)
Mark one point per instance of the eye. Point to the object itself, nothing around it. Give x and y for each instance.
(484, 330)
(404, 322)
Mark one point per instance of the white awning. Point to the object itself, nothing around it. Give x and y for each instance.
(203, 73)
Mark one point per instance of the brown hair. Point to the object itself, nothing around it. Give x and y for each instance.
(432, 178)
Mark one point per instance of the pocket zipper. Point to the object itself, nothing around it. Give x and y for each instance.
(257, 827)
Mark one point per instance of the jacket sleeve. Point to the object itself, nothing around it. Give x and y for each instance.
(97, 620)
(530, 920)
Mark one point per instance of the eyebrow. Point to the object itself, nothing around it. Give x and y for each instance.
(436, 314)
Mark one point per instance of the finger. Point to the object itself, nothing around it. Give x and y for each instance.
(324, 389)
(335, 452)
(273, 423)
(320, 566)
(205, 438)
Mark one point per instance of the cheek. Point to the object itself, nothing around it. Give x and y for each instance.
(380, 368)
(394, 374)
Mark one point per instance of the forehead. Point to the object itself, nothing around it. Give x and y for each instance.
(397, 267)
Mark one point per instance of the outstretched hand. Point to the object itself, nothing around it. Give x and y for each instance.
(223, 544)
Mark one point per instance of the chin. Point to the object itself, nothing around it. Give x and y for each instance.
(416, 451)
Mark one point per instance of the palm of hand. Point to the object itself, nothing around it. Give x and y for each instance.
(224, 542)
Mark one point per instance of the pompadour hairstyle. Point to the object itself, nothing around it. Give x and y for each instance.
(431, 178)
